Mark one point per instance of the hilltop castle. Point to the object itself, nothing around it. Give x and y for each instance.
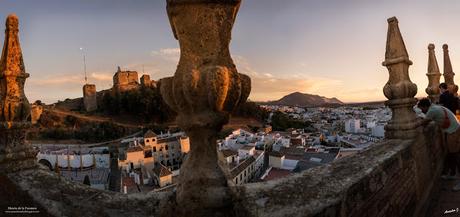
(128, 80)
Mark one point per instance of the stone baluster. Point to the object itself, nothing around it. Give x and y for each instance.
(448, 71)
(15, 154)
(399, 89)
(205, 88)
(433, 75)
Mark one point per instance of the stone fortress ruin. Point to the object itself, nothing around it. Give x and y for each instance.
(90, 97)
(125, 80)
(129, 80)
(397, 177)
(122, 81)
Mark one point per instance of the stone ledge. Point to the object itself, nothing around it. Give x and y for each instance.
(60, 197)
(390, 179)
(393, 178)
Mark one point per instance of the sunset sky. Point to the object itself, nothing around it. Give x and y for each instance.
(332, 48)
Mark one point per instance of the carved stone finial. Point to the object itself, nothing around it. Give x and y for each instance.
(399, 89)
(204, 90)
(433, 75)
(14, 107)
(448, 71)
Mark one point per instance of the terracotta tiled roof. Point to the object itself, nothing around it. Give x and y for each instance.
(247, 147)
(241, 167)
(150, 134)
(134, 149)
(296, 141)
(160, 170)
(228, 152)
(169, 139)
(292, 151)
(276, 154)
(276, 173)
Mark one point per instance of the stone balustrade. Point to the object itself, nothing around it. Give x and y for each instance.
(393, 178)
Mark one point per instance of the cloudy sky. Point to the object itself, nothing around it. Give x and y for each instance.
(329, 47)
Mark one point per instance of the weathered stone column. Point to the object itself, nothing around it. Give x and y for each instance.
(399, 89)
(204, 90)
(448, 71)
(433, 76)
(15, 154)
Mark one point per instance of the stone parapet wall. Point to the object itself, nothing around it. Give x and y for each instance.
(59, 197)
(394, 178)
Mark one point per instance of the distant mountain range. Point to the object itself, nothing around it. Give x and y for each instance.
(305, 100)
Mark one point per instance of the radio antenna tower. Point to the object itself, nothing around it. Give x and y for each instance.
(84, 64)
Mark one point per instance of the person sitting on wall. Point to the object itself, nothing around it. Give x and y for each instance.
(449, 125)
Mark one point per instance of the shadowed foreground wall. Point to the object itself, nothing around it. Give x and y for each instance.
(394, 178)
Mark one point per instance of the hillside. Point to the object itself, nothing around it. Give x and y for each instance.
(121, 114)
(305, 100)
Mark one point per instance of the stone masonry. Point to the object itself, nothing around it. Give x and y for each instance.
(89, 97)
(448, 71)
(433, 76)
(36, 113)
(15, 154)
(204, 90)
(146, 82)
(125, 80)
(399, 89)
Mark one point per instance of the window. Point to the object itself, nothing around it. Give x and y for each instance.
(146, 140)
(148, 154)
(166, 147)
(154, 149)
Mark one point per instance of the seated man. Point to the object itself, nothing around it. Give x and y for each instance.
(447, 121)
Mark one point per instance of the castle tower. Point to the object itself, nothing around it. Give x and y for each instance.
(36, 112)
(145, 80)
(125, 80)
(15, 154)
(90, 97)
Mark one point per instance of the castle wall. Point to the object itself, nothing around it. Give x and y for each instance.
(125, 80)
(35, 113)
(89, 97)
